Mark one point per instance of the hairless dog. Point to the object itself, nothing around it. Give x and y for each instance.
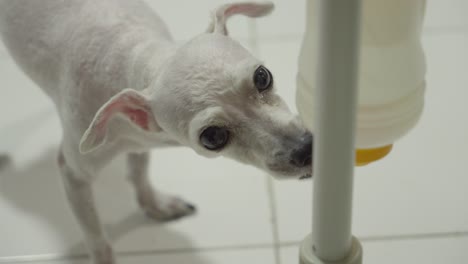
(121, 85)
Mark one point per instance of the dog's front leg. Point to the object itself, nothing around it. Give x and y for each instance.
(80, 195)
(157, 205)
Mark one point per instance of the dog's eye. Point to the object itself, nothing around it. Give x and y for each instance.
(262, 79)
(214, 138)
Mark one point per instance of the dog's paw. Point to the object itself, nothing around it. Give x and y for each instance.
(166, 207)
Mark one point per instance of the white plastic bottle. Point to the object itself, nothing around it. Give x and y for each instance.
(391, 74)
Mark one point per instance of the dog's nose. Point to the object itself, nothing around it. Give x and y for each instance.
(302, 156)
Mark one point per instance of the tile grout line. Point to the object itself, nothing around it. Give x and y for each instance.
(274, 219)
(81, 256)
(415, 236)
(402, 237)
(58, 257)
(427, 31)
(254, 45)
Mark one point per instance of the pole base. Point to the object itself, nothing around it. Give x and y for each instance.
(307, 255)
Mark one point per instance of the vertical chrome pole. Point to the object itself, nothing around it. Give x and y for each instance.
(335, 116)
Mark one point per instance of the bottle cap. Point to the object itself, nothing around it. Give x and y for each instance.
(366, 156)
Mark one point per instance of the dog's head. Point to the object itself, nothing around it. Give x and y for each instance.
(218, 99)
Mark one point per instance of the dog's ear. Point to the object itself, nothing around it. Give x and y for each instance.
(134, 110)
(220, 16)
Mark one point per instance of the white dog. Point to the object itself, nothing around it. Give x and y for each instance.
(120, 84)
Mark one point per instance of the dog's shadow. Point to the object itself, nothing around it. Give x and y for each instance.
(36, 191)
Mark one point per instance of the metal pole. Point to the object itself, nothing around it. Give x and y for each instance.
(335, 116)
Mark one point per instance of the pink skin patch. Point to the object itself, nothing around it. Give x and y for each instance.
(235, 9)
(137, 116)
(132, 107)
(251, 10)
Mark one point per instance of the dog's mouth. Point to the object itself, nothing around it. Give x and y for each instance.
(284, 172)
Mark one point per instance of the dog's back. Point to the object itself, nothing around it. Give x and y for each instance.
(54, 40)
(82, 52)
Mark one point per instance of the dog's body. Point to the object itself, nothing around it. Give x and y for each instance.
(84, 53)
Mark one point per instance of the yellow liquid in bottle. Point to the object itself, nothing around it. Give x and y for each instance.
(366, 156)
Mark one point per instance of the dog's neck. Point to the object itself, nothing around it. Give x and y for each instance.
(130, 56)
(144, 62)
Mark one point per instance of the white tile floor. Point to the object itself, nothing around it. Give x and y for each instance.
(409, 208)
